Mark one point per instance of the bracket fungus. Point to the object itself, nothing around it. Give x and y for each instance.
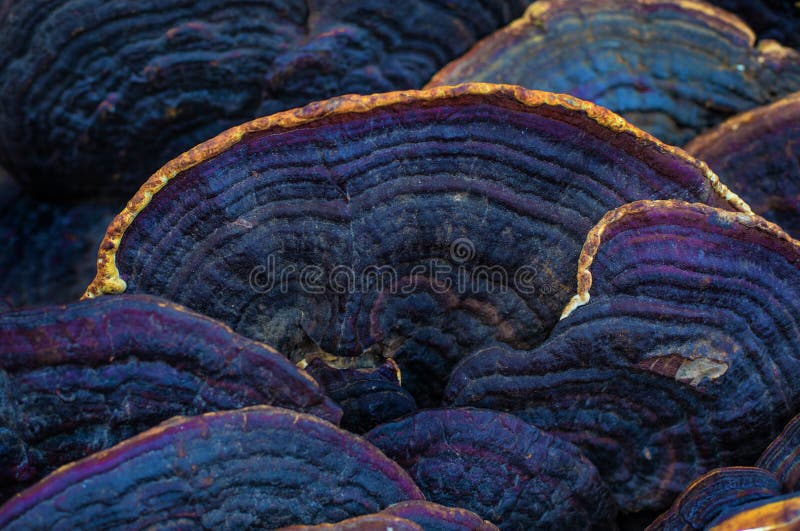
(775, 514)
(412, 515)
(390, 225)
(369, 522)
(80, 378)
(757, 153)
(737, 498)
(782, 456)
(672, 67)
(432, 516)
(105, 91)
(258, 467)
(97, 94)
(588, 317)
(719, 492)
(683, 359)
(509, 472)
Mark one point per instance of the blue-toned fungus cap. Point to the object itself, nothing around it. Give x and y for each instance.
(369, 522)
(720, 491)
(782, 456)
(495, 464)
(679, 354)
(97, 94)
(672, 67)
(432, 516)
(80, 378)
(781, 513)
(409, 515)
(259, 467)
(418, 225)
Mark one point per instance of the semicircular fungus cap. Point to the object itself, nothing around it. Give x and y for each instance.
(782, 456)
(369, 522)
(672, 67)
(97, 94)
(756, 153)
(262, 467)
(412, 515)
(716, 493)
(684, 357)
(80, 378)
(509, 472)
(431, 515)
(418, 225)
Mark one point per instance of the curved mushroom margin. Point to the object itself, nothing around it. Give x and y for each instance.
(540, 12)
(770, 515)
(596, 237)
(728, 488)
(106, 460)
(713, 136)
(108, 280)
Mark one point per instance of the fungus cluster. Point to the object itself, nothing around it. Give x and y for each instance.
(423, 265)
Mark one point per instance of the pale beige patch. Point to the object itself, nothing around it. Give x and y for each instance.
(694, 371)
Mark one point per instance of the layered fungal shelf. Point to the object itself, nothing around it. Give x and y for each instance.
(371, 265)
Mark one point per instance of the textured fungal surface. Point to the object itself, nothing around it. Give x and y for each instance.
(781, 513)
(48, 251)
(434, 517)
(80, 378)
(757, 154)
(104, 92)
(511, 473)
(721, 491)
(368, 397)
(409, 515)
(782, 456)
(369, 522)
(671, 67)
(259, 467)
(679, 354)
(771, 19)
(390, 225)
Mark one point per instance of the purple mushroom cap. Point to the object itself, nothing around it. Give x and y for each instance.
(80, 378)
(256, 467)
(417, 225)
(782, 456)
(96, 94)
(716, 493)
(679, 353)
(495, 464)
